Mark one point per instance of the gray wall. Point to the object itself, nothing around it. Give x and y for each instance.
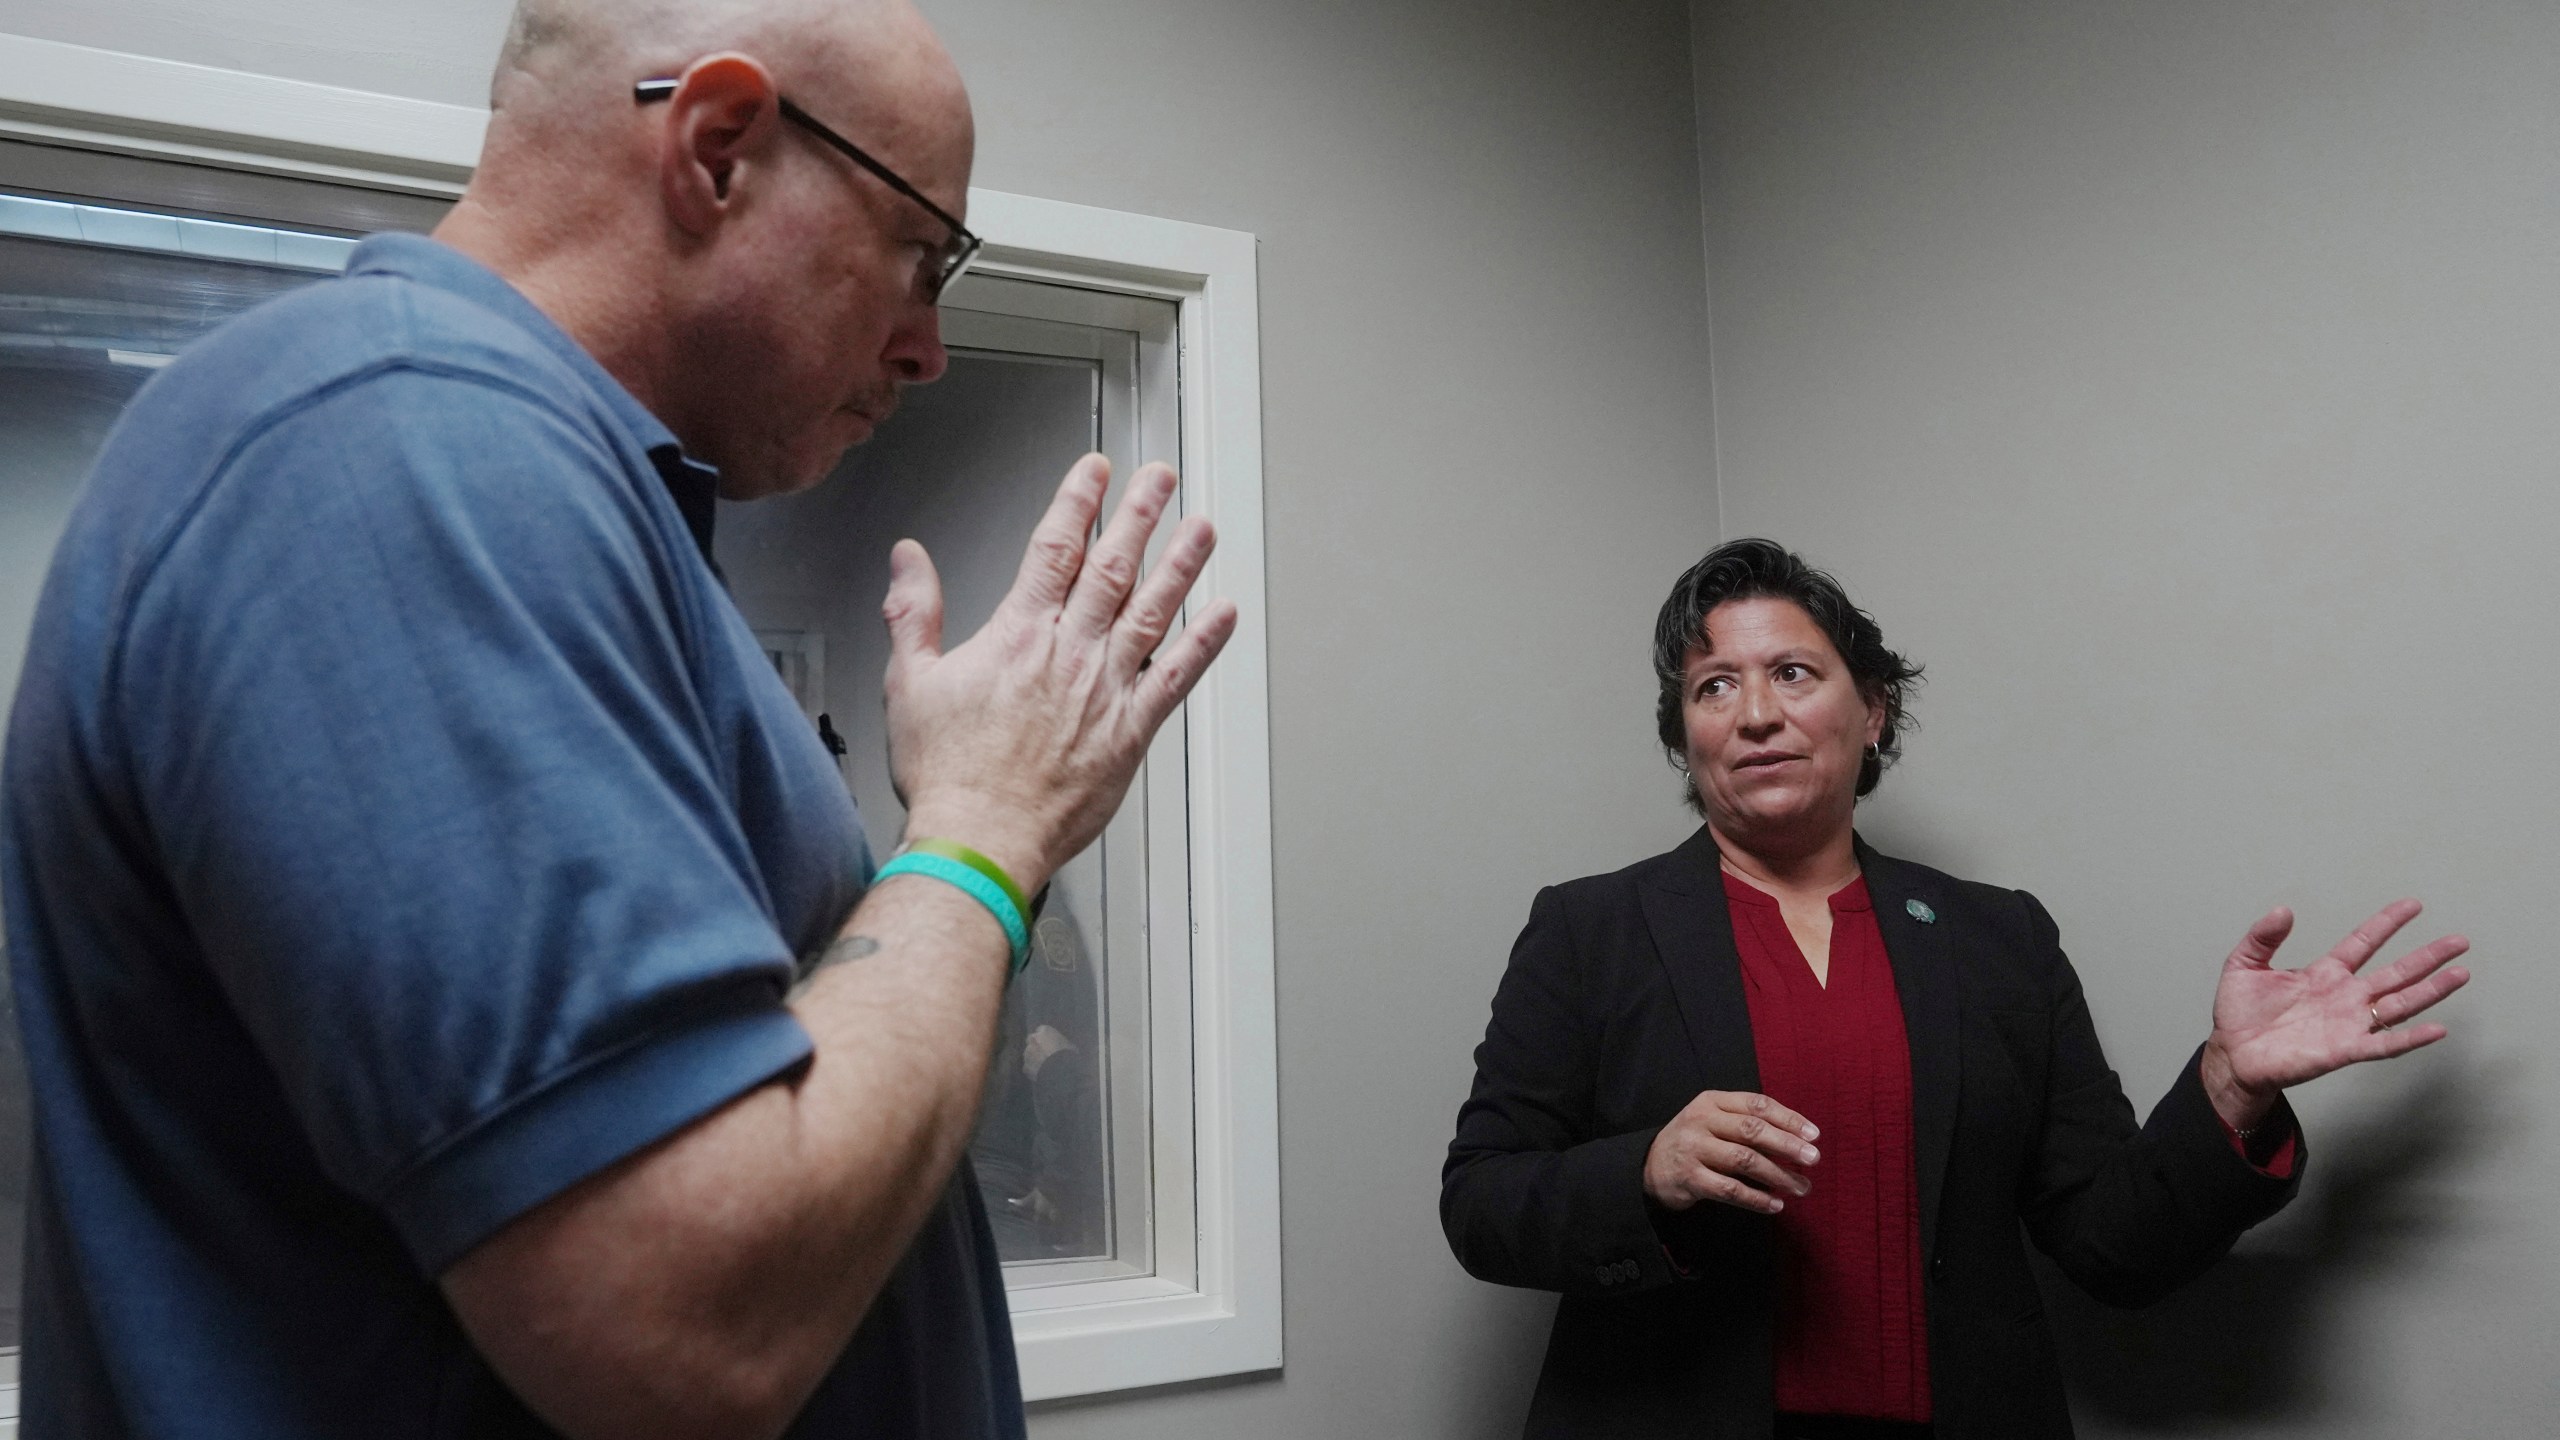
(2181, 381)
(439, 51)
(1486, 453)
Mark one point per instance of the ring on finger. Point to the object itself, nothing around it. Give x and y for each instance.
(2376, 1012)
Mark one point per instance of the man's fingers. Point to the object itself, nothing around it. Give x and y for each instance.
(1111, 567)
(1179, 665)
(1056, 554)
(2257, 949)
(913, 607)
(2375, 933)
(1151, 611)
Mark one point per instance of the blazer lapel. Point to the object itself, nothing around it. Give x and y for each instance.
(1684, 907)
(1924, 975)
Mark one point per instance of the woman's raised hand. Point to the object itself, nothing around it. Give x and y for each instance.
(1732, 1147)
(2274, 1028)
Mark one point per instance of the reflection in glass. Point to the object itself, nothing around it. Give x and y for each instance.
(1041, 1150)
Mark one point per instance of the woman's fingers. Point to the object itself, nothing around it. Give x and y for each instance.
(1744, 1162)
(1760, 1139)
(2384, 1044)
(1761, 1107)
(2414, 996)
(1732, 1147)
(2257, 949)
(2374, 933)
(1741, 1194)
(2417, 965)
(1764, 1136)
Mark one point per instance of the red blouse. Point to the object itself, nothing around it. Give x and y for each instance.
(1853, 1326)
(1853, 1318)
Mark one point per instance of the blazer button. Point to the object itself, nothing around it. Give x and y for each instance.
(1605, 1274)
(1938, 1267)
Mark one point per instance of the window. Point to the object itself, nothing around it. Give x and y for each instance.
(1129, 1150)
(1130, 1095)
(1082, 1151)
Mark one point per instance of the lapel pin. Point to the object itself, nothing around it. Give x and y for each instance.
(1921, 912)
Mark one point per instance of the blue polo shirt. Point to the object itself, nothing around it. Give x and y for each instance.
(399, 825)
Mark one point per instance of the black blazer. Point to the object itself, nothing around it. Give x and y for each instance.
(1624, 999)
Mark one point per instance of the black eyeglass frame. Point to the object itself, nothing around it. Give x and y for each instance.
(957, 252)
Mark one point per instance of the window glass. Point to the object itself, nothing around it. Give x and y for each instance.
(967, 467)
(1080, 1151)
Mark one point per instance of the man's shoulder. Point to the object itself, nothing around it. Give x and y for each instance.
(370, 328)
(344, 392)
(397, 418)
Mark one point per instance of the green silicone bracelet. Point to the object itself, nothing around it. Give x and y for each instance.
(954, 850)
(977, 887)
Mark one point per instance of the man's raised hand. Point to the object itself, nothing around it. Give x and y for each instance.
(1022, 740)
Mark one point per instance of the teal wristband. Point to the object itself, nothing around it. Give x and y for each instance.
(954, 850)
(976, 886)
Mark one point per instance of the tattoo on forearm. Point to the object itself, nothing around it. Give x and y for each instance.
(846, 947)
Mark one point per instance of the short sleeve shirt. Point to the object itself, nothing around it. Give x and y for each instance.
(399, 825)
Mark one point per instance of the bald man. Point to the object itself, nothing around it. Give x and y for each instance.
(455, 997)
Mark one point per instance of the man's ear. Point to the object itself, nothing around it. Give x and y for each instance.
(719, 124)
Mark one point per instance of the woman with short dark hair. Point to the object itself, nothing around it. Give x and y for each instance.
(1771, 1109)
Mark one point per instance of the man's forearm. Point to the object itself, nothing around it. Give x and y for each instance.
(705, 1285)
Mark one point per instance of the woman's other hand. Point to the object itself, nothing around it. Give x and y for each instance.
(1728, 1146)
(2276, 1028)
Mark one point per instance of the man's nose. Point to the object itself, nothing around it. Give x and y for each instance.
(915, 352)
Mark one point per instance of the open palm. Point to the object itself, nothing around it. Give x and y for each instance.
(2281, 1027)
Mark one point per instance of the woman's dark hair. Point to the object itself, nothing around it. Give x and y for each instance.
(1764, 569)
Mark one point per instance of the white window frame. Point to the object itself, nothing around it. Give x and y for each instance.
(1226, 1319)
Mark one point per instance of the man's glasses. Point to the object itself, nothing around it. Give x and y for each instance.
(944, 266)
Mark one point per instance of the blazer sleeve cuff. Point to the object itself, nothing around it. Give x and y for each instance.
(2222, 1182)
(1628, 1252)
